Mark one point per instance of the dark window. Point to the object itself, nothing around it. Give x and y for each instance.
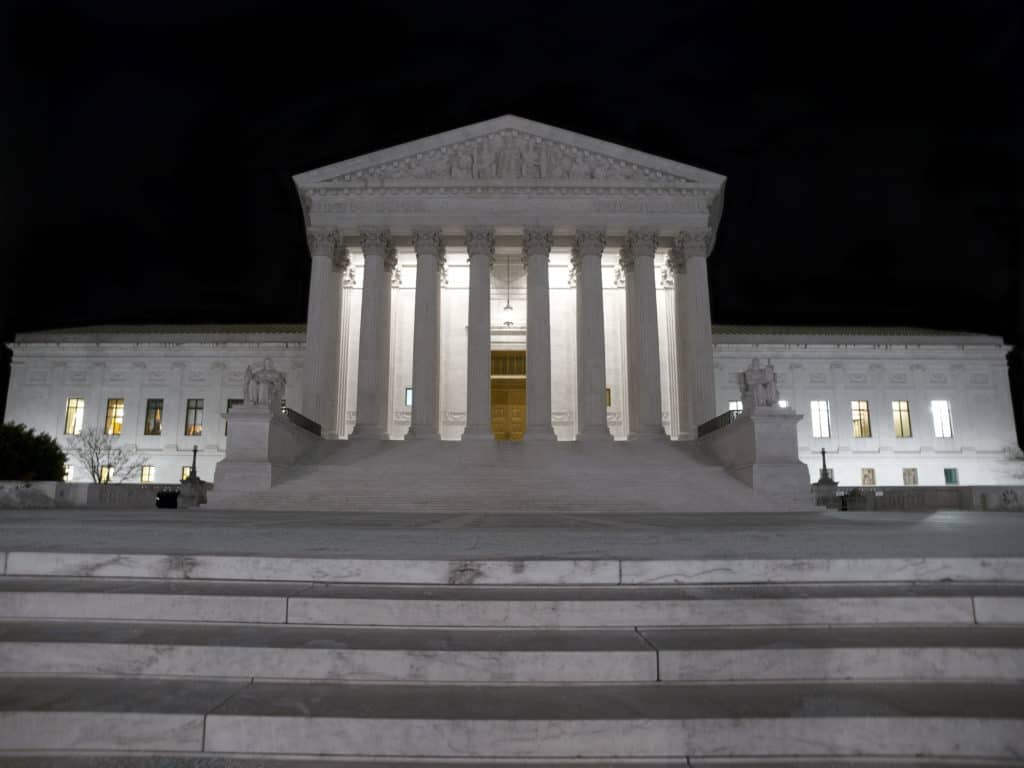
(154, 416)
(194, 417)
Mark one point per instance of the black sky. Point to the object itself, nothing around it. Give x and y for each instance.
(874, 150)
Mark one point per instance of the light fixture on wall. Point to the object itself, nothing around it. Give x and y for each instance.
(508, 310)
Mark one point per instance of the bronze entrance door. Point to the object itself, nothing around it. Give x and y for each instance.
(508, 394)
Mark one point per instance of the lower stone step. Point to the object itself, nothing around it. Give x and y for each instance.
(510, 655)
(659, 721)
(182, 760)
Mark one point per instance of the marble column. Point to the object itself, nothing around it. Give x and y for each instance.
(374, 335)
(480, 247)
(684, 406)
(426, 338)
(644, 379)
(536, 252)
(590, 364)
(323, 326)
(700, 358)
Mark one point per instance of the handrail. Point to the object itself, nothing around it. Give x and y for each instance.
(299, 420)
(718, 422)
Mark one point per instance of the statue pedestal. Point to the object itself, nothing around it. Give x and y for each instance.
(261, 444)
(760, 449)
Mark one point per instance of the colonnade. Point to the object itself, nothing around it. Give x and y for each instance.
(687, 260)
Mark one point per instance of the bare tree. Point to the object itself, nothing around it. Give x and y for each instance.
(96, 451)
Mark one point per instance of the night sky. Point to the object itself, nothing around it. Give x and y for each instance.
(873, 150)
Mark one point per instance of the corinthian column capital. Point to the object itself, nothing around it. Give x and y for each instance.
(480, 243)
(428, 242)
(639, 243)
(375, 241)
(695, 241)
(677, 257)
(322, 239)
(537, 242)
(589, 242)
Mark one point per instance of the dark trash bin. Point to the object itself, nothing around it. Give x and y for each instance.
(167, 499)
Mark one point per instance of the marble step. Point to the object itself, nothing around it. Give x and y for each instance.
(56, 648)
(657, 721)
(109, 760)
(512, 571)
(500, 606)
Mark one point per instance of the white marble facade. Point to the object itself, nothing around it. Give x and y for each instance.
(417, 250)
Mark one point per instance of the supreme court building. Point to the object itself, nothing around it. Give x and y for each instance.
(511, 280)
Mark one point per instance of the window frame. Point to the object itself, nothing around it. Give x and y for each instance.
(154, 424)
(914, 474)
(815, 420)
(861, 419)
(113, 424)
(194, 407)
(107, 473)
(898, 414)
(865, 473)
(736, 406)
(73, 424)
(942, 424)
(143, 474)
(951, 475)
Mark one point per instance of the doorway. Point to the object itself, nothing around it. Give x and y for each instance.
(508, 394)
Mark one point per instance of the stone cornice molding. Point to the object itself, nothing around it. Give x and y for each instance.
(695, 242)
(640, 243)
(590, 241)
(537, 242)
(323, 241)
(428, 242)
(480, 242)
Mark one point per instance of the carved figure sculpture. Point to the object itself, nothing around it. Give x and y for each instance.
(758, 387)
(264, 386)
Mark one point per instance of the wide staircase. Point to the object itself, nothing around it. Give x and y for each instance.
(203, 660)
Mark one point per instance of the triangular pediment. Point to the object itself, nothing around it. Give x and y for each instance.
(508, 151)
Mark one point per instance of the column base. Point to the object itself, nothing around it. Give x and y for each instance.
(539, 435)
(422, 434)
(594, 436)
(368, 433)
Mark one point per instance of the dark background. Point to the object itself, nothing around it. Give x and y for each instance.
(873, 150)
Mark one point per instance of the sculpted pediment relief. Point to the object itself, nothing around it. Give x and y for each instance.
(506, 156)
(509, 152)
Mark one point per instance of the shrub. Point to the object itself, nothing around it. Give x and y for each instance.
(24, 455)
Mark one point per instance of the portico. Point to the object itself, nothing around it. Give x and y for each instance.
(576, 220)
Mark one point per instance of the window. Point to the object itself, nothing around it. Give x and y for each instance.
(74, 415)
(408, 397)
(910, 476)
(783, 403)
(820, 423)
(952, 476)
(115, 416)
(186, 473)
(867, 476)
(194, 417)
(106, 473)
(736, 406)
(154, 416)
(861, 418)
(607, 397)
(941, 418)
(69, 472)
(901, 418)
(232, 402)
(148, 473)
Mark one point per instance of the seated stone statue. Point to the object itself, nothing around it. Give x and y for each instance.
(757, 386)
(264, 386)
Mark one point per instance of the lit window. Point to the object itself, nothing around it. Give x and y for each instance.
(861, 418)
(408, 397)
(901, 418)
(736, 406)
(194, 417)
(154, 416)
(115, 416)
(232, 402)
(867, 476)
(821, 425)
(148, 473)
(69, 472)
(941, 418)
(783, 403)
(186, 473)
(106, 473)
(910, 476)
(952, 476)
(74, 415)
